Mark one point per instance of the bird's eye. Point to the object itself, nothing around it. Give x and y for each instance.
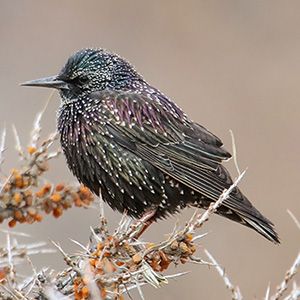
(83, 79)
(79, 80)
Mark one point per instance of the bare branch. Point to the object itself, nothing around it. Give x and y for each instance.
(235, 291)
(289, 275)
(294, 218)
(234, 152)
(2, 145)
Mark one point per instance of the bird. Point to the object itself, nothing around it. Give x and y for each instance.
(123, 137)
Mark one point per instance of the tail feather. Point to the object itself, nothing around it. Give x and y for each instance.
(265, 229)
(258, 223)
(242, 211)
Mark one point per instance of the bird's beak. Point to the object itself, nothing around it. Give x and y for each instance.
(49, 82)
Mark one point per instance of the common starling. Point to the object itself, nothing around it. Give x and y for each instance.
(124, 137)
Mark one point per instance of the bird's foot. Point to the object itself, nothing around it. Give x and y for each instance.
(144, 222)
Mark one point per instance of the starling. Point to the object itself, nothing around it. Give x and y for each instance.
(124, 137)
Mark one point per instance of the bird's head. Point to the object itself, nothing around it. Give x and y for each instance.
(91, 70)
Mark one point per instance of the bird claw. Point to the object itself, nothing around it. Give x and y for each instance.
(144, 222)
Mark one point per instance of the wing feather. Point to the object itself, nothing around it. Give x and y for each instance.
(156, 130)
(176, 145)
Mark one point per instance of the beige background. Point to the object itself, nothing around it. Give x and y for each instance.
(228, 64)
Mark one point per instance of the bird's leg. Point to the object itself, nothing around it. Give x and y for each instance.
(145, 221)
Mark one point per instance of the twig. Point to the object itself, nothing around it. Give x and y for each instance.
(289, 275)
(2, 145)
(294, 218)
(234, 152)
(214, 205)
(235, 291)
(18, 143)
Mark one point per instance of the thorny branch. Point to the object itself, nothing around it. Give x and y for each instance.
(295, 293)
(235, 291)
(289, 275)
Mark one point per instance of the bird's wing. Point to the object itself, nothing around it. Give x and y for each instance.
(161, 134)
(157, 131)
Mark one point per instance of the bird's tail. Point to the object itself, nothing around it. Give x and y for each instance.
(243, 212)
(265, 229)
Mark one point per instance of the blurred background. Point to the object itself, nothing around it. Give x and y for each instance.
(227, 64)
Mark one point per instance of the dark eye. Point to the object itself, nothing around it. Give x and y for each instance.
(83, 79)
(79, 80)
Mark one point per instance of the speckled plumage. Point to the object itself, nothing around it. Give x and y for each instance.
(123, 136)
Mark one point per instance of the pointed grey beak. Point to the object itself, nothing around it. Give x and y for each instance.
(49, 82)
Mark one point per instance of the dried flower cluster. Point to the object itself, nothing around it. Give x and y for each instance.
(13, 258)
(24, 194)
(120, 262)
(112, 265)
